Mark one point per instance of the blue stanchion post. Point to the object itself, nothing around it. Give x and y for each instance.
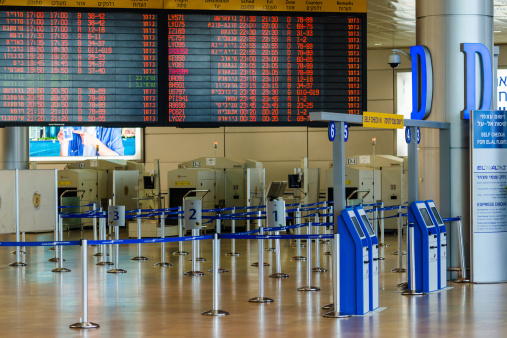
(317, 267)
(330, 211)
(411, 247)
(102, 228)
(400, 252)
(59, 248)
(139, 256)
(259, 226)
(298, 256)
(308, 286)
(216, 281)
(233, 241)
(335, 306)
(216, 260)
(180, 251)
(162, 262)
(83, 322)
(261, 298)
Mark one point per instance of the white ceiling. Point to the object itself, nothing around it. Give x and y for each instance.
(391, 23)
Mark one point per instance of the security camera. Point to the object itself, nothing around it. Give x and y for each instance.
(394, 60)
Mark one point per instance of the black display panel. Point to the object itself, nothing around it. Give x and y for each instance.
(426, 217)
(357, 226)
(437, 215)
(368, 225)
(78, 68)
(259, 69)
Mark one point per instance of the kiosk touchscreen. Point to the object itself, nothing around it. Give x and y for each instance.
(442, 244)
(425, 248)
(371, 236)
(354, 265)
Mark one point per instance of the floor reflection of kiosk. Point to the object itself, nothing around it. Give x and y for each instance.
(354, 265)
(442, 244)
(425, 248)
(372, 238)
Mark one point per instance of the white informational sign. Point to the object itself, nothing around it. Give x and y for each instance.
(193, 213)
(275, 212)
(116, 215)
(210, 161)
(488, 149)
(364, 159)
(37, 200)
(7, 201)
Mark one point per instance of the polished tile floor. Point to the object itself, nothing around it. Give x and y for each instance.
(150, 301)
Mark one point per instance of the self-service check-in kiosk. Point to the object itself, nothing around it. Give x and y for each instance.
(354, 265)
(372, 238)
(442, 244)
(425, 248)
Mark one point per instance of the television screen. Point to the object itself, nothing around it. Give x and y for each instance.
(66, 144)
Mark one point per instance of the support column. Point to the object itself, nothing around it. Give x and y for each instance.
(442, 25)
(14, 152)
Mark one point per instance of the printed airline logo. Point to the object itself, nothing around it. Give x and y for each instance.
(492, 167)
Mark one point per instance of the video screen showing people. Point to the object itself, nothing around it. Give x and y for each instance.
(51, 143)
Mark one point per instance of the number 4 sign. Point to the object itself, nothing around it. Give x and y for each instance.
(193, 213)
(116, 215)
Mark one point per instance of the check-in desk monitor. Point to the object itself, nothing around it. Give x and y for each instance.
(442, 244)
(373, 256)
(354, 265)
(425, 247)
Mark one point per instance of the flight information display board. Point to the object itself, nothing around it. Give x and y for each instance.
(246, 69)
(78, 68)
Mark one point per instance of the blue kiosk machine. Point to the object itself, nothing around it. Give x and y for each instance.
(354, 265)
(442, 244)
(425, 248)
(373, 257)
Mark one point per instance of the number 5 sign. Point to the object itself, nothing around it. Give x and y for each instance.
(116, 215)
(193, 212)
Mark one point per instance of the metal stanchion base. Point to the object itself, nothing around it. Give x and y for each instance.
(105, 263)
(403, 285)
(298, 258)
(381, 259)
(396, 253)
(198, 259)
(233, 254)
(327, 253)
(399, 270)
(221, 270)
(461, 280)
(139, 258)
(17, 264)
(98, 254)
(413, 293)
(279, 275)
(328, 306)
(295, 245)
(319, 270)
(51, 248)
(87, 325)
(257, 264)
(324, 241)
(54, 259)
(21, 252)
(270, 249)
(261, 300)
(215, 313)
(332, 314)
(116, 271)
(194, 273)
(163, 264)
(384, 244)
(180, 253)
(309, 288)
(60, 270)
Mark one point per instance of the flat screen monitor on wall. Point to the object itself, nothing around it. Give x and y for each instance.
(66, 144)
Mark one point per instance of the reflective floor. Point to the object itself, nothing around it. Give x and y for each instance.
(150, 301)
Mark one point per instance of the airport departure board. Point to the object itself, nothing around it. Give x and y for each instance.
(180, 63)
(263, 69)
(78, 67)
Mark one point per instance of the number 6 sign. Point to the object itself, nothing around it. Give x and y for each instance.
(193, 213)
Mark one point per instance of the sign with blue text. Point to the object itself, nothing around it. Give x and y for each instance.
(488, 151)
